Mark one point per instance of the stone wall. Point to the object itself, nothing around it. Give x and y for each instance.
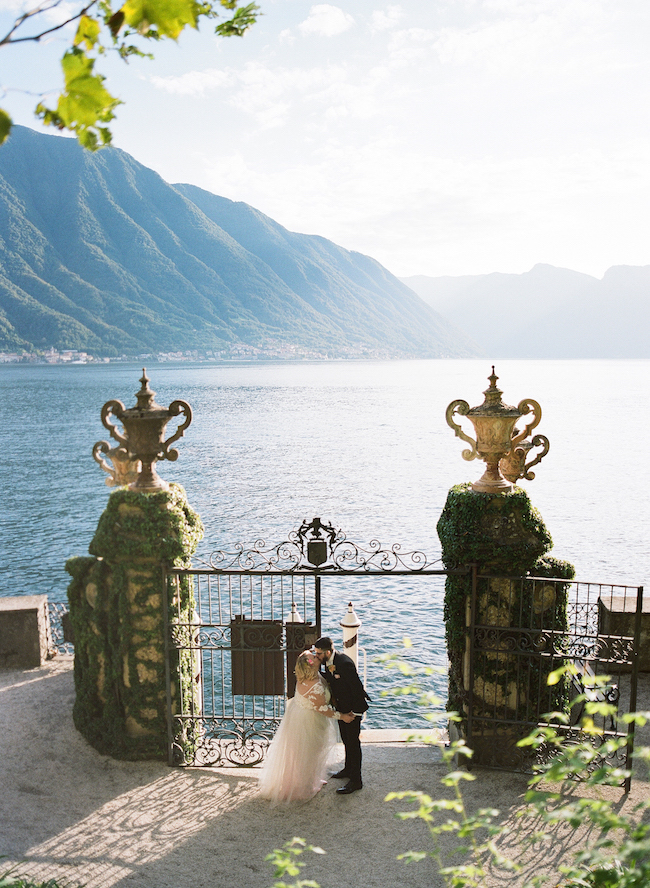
(24, 631)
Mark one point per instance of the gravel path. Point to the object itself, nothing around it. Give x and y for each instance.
(70, 813)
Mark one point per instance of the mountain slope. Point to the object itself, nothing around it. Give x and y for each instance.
(548, 312)
(97, 252)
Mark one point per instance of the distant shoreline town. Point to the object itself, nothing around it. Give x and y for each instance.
(233, 353)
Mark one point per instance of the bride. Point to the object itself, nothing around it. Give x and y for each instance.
(296, 763)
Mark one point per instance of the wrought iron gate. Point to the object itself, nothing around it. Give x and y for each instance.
(252, 612)
(591, 628)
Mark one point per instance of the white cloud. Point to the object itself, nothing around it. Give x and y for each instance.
(326, 21)
(520, 37)
(307, 99)
(410, 44)
(464, 136)
(385, 19)
(193, 82)
(421, 213)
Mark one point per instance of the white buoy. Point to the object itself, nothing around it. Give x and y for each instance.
(350, 625)
(294, 616)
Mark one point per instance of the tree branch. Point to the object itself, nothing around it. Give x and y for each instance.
(38, 10)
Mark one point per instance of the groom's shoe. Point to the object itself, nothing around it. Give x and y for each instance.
(341, 775)
(352, 786)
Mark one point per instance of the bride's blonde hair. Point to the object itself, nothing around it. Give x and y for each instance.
(307, 666)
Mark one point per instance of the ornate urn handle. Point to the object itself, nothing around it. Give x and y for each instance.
(538, 441)
(461, 407)
(175, 408)
(115, 408)
(122, 469)
(528, 405)
(514, 466)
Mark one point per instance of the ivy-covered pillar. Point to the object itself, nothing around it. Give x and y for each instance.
(504, 537)
(116, 612)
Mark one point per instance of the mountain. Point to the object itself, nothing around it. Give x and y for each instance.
(548, 312)
(98, 253)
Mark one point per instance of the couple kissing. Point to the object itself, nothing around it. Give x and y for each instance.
(328, 690)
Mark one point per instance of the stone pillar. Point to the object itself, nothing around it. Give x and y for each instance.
(504, 536)
(116, 613)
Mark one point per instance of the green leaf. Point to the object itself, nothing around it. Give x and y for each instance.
(5, 126)
(239, 23)
(115, 22)
(555, 676)
(88, 32)
(167, 17)
(84, 102)
(454, 778)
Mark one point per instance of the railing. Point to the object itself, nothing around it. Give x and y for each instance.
(525, 629)
(61, 640)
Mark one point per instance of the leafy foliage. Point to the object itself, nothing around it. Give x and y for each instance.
(505, 536)
(9, 879)
(617, 851)
(286, 863)
(85, 107)
(503, 533)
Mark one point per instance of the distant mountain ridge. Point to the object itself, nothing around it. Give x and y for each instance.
(548, 312)
(99, 253)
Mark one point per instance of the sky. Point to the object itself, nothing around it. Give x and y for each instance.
(440, 137)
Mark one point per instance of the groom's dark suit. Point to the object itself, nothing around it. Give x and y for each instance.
(348, 695)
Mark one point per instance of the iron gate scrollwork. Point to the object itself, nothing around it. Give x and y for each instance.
(253, 611)
(522, 631)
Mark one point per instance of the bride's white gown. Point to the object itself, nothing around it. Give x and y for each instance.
(296, 763)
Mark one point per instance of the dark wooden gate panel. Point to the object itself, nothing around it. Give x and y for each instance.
(257, 656)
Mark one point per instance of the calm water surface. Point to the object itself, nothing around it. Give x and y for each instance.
(362, 445)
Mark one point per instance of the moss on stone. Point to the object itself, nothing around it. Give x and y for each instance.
(504, 536)
(116, 612)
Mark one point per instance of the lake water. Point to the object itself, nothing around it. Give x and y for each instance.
(363, 445)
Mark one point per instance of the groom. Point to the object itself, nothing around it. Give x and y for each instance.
(348, 695)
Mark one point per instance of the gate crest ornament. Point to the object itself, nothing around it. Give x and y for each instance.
(317, 547)
(499, 442)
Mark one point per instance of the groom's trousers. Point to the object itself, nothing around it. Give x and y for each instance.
(352, 743)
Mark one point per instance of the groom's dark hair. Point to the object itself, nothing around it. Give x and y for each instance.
(324, 644)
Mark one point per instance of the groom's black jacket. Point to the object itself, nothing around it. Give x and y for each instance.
(347, 690)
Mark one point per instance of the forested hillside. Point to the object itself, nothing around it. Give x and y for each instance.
(99, 253)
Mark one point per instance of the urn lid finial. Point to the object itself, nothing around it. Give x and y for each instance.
(145, 397)
(492, 403)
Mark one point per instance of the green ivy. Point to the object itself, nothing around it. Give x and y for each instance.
(161, 526)
(503, 533)
(504, 536)
(116, 616)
